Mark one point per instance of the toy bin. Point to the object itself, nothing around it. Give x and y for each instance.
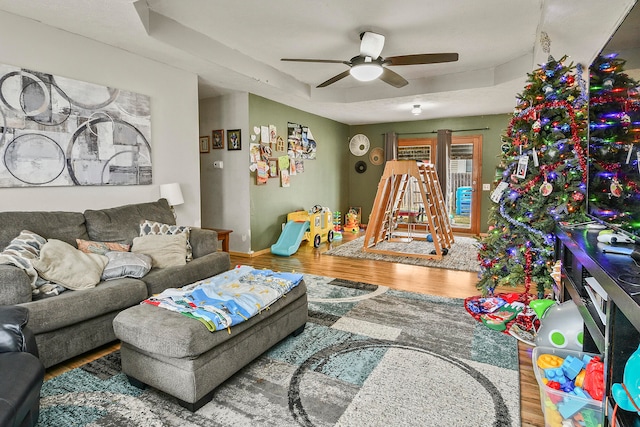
(558, 406)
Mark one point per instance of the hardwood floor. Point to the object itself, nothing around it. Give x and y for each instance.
(434, 281)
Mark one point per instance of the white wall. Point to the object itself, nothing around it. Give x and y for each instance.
(174, 115)
(225, 192)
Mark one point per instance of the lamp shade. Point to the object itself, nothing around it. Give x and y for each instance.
(172, 193)
(366, 72)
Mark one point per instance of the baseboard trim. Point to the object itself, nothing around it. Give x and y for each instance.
(250, 255)
(261, 252)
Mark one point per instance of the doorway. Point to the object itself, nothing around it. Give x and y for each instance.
(464, 172)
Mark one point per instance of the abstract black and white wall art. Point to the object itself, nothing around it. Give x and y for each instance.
(57, 131)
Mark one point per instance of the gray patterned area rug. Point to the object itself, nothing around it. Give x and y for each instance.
(369, 356)
(463, 255)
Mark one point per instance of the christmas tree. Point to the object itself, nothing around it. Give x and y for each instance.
(614, 122)
(542, 176)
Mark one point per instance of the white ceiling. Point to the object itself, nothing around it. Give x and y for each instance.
(236, 45)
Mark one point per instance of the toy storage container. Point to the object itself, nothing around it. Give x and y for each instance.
(588, 412)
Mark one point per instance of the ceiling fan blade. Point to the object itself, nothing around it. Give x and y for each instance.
(425, 58)
(327, 61)
(371, 44)
(334, 79)
(393, 78)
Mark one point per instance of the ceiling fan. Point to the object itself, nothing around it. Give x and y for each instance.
(369, 65)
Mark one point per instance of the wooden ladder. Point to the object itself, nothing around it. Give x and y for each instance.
(392, 188)
(435, 203)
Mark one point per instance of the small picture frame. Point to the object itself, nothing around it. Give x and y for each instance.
(217, 140)
(204, 144)
(234, 140)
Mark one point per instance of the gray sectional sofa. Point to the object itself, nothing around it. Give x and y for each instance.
(78, 321)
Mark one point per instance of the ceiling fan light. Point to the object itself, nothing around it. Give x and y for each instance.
(366, 72)
(416, 110)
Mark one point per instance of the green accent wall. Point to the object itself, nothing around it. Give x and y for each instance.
(331, 179)
(324, 182)
(363, 187)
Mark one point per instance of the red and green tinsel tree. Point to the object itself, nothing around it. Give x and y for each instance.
(614, 135)
(542, 180)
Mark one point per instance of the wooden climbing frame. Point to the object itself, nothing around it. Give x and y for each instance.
(394, 187)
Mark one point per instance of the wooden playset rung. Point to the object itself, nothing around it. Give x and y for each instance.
(392, 188)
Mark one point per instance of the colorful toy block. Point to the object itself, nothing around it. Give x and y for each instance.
(572, 366)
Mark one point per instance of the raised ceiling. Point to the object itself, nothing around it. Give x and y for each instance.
(236, 45)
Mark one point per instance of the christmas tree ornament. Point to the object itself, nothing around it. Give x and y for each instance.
(625, 120)
(607, 83)
(546, 188)
(615, 187)
(499, 191)
(536, 126)
(523, 163)
(505, 148)
(577, 196)
(536, 161)
(562, 208)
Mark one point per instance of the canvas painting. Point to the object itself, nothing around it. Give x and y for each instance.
(58, 131)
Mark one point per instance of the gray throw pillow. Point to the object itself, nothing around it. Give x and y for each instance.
(126, 264)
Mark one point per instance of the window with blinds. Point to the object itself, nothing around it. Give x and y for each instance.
(415, 152)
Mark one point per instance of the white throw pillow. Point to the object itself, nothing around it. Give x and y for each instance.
(164, 250)
(65, 265)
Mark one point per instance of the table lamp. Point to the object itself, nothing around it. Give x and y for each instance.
(173, 194)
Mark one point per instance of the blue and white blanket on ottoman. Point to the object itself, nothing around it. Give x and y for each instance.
(229, 298)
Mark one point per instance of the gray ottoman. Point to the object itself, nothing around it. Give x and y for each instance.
(178, 355)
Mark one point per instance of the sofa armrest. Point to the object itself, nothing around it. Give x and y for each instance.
(14, 334)
(203, 242)
(15, 285)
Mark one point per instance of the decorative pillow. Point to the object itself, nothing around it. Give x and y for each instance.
(100, 248)
(63, 264)
(22, 250)
(126, 264)
(164, 250)
(152, 227)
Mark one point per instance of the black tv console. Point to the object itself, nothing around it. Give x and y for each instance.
(611, 326)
